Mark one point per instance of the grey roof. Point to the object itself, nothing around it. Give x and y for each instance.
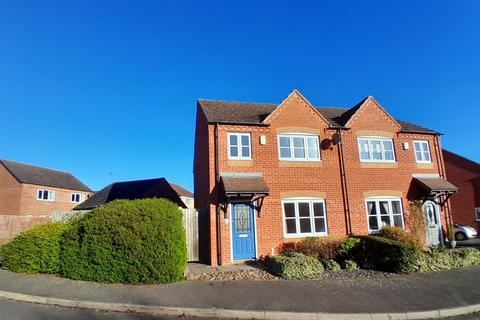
(131, 190)
(25, 173)
(254, 113)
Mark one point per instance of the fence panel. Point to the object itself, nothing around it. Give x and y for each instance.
(190, 222)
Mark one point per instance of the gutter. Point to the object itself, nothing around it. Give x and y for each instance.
(343, 178)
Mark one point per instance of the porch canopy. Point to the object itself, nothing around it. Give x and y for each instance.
(436, 185)
(241, 185)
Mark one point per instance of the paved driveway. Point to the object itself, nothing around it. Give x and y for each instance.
(474, 243)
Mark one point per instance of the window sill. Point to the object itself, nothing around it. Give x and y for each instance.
(301, 236)
(379, 164)
(305, 163)
(240, 163)
(424, 165)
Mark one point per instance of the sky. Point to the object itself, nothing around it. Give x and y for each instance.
(107, 90)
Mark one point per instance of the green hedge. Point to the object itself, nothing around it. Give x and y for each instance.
(139, 241)
(443, 259)
(388, 255)
(331, 265)
(34, 251)
(294, 266)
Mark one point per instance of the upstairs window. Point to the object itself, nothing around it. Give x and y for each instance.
(373, 149)
(239, 146)
(45, 195)
(77, 197)
(296, 147)
(477, 214)
(422, 151)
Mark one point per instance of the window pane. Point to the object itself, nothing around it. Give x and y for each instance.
(298, 142)
(245, 140)
(289, 209)
(477, 211)
(39, 194)
(364, 152)
(396, 208)
(397, 221)
(234, 151)
(320, 225)
(312, 148)
(304, 209)
(285, 153)
(388, 145)
(305, 226)
(45, 195)
(416, 146)
(385, 220)
(389, 155)
(285, 142)
(246, 152)
(299, 153)
(426, 155)
(291, 226)
(376, 150)
(383, 207)
(418, 156)
(318, 209)
(373, 223)
(371, 208)
(233, 140)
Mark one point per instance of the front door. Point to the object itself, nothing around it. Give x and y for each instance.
(432, 220)
(243, 231)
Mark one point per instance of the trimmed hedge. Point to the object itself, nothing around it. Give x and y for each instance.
(322, 248)
(388, 255)
(294, 266)
(34, 251)
(130, 241)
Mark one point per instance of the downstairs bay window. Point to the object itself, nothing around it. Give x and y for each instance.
(383, 212)
(304, 217)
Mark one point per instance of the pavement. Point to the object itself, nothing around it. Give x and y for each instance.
(473, 243)
(417, 296)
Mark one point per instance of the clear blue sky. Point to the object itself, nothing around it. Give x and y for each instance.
(108, 89)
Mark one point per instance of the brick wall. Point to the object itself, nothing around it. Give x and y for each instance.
(296, 115)
(464, 174)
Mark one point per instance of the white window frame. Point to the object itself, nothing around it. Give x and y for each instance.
(298, 234)
(50, 195)
(377, 209)
(239, 146)
(81, 197)
(370, 149)
(305, 137)
(422, 143)
(477, 214)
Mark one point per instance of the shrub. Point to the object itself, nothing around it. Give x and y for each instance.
(294, 266)
(416, 221)
(350, 265)
(139, 241)
(34, 251)
(399, 234)
(389, 255)
(331, 265)
(349, 247)
(441, 259)
(322, 248)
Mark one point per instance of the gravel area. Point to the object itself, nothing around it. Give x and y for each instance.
(357, 274)
(233, 275)
(354, 274)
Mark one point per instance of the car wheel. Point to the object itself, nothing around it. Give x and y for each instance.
(460, 236)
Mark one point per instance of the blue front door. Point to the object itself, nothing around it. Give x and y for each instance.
(243, 231)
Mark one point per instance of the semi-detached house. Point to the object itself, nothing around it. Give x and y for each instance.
(270, 173)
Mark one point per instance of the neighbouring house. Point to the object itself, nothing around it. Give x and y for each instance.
(139, 189)
(465, 174)
(31, 195)
(265, 174)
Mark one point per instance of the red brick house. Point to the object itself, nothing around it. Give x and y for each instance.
(31, 194)
(269, 173)
(465, 174)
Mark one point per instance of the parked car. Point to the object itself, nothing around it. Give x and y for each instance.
(464, 232)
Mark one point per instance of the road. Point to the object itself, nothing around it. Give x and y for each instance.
(474, 243)
(12, 310)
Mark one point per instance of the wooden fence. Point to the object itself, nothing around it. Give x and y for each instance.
(190, 222)
(11, 225)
